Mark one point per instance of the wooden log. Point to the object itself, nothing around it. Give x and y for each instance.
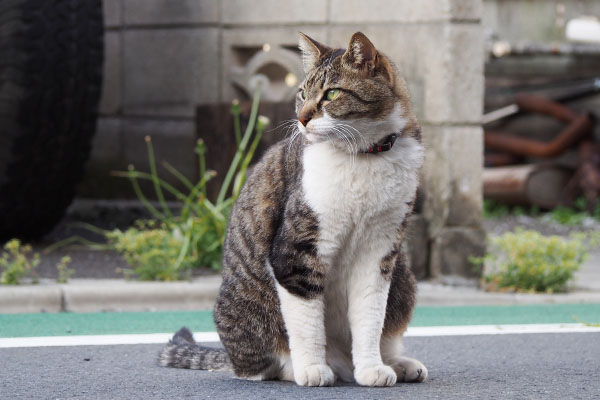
(542, 185)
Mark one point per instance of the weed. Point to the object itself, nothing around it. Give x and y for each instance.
(17, 263)
(576, 214)
(167, 247)
(494, 210)
(567, 216)
(64, 273)
(530, 261)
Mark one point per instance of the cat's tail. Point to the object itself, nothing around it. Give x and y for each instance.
(183, 352)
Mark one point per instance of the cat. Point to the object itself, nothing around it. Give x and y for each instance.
(315, 284)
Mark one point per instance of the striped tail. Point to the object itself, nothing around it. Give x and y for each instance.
(183, 352)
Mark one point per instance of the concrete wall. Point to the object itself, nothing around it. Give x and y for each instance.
(539, 21)
(164, 57)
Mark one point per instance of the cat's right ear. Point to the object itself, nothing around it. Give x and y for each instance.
(311, 51)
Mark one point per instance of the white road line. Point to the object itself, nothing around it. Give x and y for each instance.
(155, 338)
(99, 340)
(498, 329)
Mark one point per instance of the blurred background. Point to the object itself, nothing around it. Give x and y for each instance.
(506, 92)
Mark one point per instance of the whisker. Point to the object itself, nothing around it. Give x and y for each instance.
(284, 123)
(360, 135)
(351, 135)
(295, 134)
(349, 145)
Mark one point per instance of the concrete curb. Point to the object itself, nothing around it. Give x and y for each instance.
(440, 295)
(110, 295)
(200, 294)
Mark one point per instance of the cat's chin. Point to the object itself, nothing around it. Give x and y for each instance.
(315, 137)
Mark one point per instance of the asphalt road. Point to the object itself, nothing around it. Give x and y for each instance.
(525, 366)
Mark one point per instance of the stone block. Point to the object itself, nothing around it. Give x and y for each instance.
(465, 10)
(277, 12)
(417, 245)
(106, 156)
(173, 141)
(169, 12)
(240, 47)
(436, 177)
(377, 11)
(454, 81)
(466, 163)
(452, 176)
(168, 72)
(451, 250)
(107, 145)
(112, 13)
(110, 101)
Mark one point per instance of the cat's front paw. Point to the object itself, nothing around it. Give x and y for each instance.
(379, 375)
(314, 375)
(410, 370)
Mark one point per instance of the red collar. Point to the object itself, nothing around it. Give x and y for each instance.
(384, 144)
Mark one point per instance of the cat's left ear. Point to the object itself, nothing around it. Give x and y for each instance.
(361, 54)
(311, 51)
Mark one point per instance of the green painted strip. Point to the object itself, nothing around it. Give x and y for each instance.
(63, 324)
(29, 325)
(497, 315)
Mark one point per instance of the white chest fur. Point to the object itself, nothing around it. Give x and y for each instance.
(360, 202)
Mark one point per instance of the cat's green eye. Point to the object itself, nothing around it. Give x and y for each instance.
(332, 94)
(303, 94)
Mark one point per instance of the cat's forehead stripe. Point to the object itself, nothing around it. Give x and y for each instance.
(325, 69)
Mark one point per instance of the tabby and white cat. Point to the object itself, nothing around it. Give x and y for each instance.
(315, 284)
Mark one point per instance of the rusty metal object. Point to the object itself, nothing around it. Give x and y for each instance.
(541, 105)
(501, 159)
(545, 185)
(586, 180)
(573, 133)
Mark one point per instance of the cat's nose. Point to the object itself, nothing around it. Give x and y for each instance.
(304, 119)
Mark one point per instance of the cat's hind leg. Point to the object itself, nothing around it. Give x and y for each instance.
(407, 369)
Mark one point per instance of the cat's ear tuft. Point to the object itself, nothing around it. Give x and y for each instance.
(311, 51)
(361, 54)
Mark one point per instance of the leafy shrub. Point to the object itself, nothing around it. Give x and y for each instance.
(167, 247)
(530, 261)
(17, 263)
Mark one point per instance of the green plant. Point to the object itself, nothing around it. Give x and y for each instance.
(577, 213)
(529, 261)
(64, 273)
(17, 263)
(167, 247)
(567, 216)
(494, 210)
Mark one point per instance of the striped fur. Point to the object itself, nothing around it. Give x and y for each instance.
(315, 285)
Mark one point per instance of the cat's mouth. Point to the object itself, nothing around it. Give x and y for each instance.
(311, 134)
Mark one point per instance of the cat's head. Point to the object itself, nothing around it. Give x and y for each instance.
(352, 98)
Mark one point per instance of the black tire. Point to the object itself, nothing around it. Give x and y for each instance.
(51, 54)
